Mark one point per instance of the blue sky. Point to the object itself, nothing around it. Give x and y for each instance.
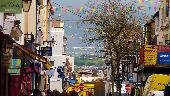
(74, 32)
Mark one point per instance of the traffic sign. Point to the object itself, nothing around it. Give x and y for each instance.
(131, 79)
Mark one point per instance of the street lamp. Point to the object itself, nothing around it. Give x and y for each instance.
(26, 5)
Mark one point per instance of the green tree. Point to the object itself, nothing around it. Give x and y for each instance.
(116, 25)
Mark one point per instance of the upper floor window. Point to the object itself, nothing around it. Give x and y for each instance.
(57, 24)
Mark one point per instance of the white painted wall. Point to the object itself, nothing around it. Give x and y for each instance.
(54, 84)
(58, 37)
(1, 19)
(57, 56)
(32, 18)
(20, 17)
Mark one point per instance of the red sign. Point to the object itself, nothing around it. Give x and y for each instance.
(81, 86)
(163, 48)
(127, 87)
(140, 56)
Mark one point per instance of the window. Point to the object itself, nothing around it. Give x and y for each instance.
(160, 43)
(57, 24)
(52, 63)
(166, 36)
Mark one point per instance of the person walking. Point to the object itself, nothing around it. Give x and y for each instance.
(56, 93)
(49, 92)
(36, 92)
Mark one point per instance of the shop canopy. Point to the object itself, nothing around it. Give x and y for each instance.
(26, 51)
(34, 55)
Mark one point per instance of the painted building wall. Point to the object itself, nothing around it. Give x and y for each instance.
(161, 30)
(57, 55)
(32, 18)
(1, 19)
(43, 19)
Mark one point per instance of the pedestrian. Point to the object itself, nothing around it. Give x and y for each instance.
(56, 93)
(110, 93)
(73, 93)
(64, 94)
(133, 90)
(22, 92)
(43, 93)
(36, 92)
(49, 92)
(167, 91)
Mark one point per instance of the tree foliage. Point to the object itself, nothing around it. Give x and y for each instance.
(88, 62)
(117, 25)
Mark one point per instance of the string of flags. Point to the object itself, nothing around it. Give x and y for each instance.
(83, 12)
(59, 8)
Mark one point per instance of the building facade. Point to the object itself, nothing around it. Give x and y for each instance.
(62, 64)
(20, 31)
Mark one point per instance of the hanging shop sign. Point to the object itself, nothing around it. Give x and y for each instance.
(14, 67)
(14, 71)
(11, 6)
(150, 55)
(46, 51)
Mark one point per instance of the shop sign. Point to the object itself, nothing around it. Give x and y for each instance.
(11, 6)
(163, 58)
(14, 71)
(46, 51)
(163, 48)
(16, 63)
(131, 79)
(150, 55)
(14, 67)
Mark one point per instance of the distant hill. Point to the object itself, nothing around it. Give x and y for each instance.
(88, 61)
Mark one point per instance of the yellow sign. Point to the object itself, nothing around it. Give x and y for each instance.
(89, 87)
(150, 55)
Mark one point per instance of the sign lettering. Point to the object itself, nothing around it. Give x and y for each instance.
(11, 6)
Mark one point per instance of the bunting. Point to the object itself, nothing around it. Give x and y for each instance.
(84, 12)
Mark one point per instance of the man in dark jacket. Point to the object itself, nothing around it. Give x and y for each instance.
(167, 91)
